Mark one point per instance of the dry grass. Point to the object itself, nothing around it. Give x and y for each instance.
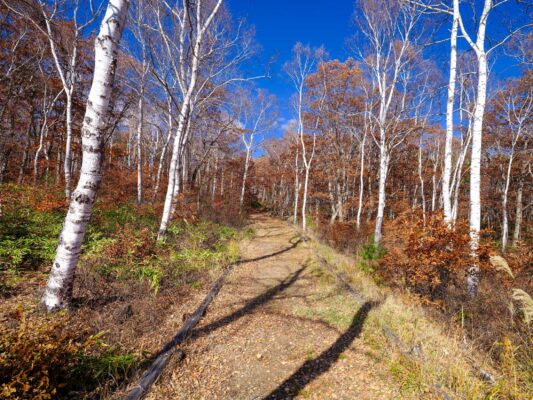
(429, 361)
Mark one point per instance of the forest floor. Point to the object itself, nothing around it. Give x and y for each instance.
(278, 329)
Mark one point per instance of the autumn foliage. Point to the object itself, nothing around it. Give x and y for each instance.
(435, 256)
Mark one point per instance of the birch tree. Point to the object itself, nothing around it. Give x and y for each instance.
(388, 29)
(58, 292)
(193, 22)
(65, 52)
(517, 111)
(140, 12)
(304, 61)
(439, 7)
(254, 117)
(448, 143)
(479, 48)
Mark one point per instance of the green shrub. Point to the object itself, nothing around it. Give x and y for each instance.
(28, 238)
(370, 254)
(151, 274)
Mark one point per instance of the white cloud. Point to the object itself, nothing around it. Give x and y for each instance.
(290, 125)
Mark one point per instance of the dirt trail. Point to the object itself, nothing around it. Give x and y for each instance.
(262, 339)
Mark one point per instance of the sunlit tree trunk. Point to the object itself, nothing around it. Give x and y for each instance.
(361, 182)
(519, 211)
(505, 194)
(434, 178)
(139, 145)
(477, 130)
(383, 167)
(189, 87)
(421, 177)
(475, 174)
(163, 150)
(174, 162)
(58, 291)
(67, 162)
(296, 188)
(447, 172)
(245, 174)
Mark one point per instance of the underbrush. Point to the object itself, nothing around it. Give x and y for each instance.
(125, 283)
(431, 264)
(51, 357)
(422, 266)
(427, 361)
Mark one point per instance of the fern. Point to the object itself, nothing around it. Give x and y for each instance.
(501, 264)
(526, 302)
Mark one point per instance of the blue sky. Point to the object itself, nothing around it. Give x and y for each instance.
(280, 24)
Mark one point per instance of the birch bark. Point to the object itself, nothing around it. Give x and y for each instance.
(58, 292)
(448, 146)
(477, 130)
(189, 87)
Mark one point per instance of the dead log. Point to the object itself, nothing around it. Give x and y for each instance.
(156, 368)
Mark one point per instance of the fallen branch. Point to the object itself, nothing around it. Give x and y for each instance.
(151, 375)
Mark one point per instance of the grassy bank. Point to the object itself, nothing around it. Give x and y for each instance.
(127, 283)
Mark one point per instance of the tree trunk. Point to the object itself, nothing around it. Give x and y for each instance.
(42, 135)
(446, 175)
(519, 211)
(361, 182)
(383, 166)
(477, 131)
(58, 292)
(475, 174)
(304, 199)
(245, 174)
(139, 145)
(296, 190)
(163, 153)
(421, 177)
(67, 166)
(505, 196)
(174, 170)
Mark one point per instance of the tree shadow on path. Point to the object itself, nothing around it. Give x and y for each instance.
(249, 306)
(277, 253)
(312, 369)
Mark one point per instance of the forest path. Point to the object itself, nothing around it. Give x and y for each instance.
(279, 329)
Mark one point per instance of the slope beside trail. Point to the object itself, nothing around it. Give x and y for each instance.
(278, 330)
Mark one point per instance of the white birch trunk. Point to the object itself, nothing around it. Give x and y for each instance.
(245, 175)
(421, 177)
(58, 291)
(446, 175)
(361, 182)
(174, 170)
(434, 179)
(42, 135)
(475, 174)
(185, 109)
(67, 162)
(519, 212)
(139, 145)
(477, 131)
(505, 195)
(296, 190)
(163, 152)
(383, 166)
(304, 198)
